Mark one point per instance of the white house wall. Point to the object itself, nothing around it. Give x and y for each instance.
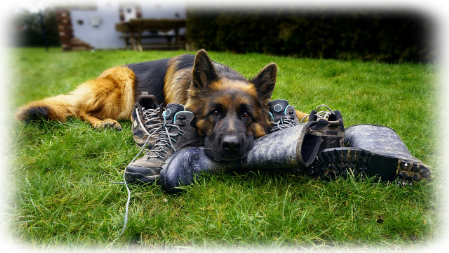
(163, 9)
(105, 36)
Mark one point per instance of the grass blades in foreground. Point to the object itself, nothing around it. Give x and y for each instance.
(64, 174)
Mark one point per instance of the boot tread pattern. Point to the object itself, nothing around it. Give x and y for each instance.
(412, 171)
(332, 163)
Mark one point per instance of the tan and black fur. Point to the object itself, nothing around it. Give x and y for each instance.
(230, 111)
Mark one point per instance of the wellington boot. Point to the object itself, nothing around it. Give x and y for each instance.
(374, 151)
(291, 147)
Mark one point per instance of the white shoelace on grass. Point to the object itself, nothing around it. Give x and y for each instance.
(164, 128)
(126, 183)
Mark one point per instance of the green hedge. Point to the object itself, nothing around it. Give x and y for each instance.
(372, 35)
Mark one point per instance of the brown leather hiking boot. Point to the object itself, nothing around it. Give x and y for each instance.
(330, 127)
(282, 114)
(146, 120)
(176, 131)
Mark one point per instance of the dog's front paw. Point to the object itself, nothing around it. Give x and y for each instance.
(108, 123)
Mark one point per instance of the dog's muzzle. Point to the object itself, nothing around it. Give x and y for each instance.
(229, 147)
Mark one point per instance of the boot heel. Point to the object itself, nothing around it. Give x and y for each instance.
(413, 171)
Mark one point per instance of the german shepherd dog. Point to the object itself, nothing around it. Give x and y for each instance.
(229, 109)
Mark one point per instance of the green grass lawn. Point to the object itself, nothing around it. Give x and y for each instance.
(63, 174)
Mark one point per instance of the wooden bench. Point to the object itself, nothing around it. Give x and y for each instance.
(132, 33)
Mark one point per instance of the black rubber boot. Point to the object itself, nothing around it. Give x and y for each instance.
(289, 148)
(374, 151)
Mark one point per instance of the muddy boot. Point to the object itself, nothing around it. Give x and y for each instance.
(282, 115)
(373, 151)
(176, 132)
(146, 120)
(330, 127)
(290, 148)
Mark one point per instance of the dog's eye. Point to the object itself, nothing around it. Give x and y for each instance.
(246, 114)
(215, 112)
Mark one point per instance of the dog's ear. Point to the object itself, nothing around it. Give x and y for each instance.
(203, 72)
(265, 81)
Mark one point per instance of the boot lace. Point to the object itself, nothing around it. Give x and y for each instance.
(324, 114)
(124, 177)
(152, 117)
(320, 114)
(164, 135)
(281, 124)
(167, 136)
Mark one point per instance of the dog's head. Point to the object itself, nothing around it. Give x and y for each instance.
(230, 110)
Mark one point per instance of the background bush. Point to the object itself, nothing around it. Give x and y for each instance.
(28, 31)
(374, 35)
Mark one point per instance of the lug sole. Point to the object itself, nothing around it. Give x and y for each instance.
(140, 176)
(335, 162)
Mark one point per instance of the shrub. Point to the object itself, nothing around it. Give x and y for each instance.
(374, 35)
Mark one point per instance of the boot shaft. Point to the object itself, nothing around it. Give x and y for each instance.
(378, 139)
(286, 149)
(187, 132)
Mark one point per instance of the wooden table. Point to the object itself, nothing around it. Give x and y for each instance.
(132, 32)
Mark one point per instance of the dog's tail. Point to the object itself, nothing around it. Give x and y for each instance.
(54, 108)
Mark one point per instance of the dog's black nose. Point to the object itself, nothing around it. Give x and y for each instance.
(231, 144)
